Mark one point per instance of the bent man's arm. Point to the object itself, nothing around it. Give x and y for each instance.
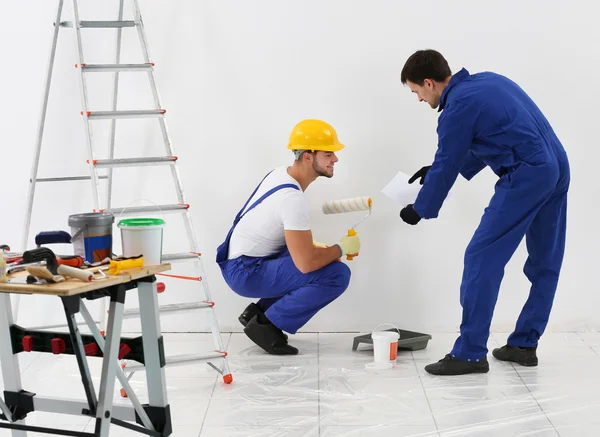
(305, 255)
(456, 128)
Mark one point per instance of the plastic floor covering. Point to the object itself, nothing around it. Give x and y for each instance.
(326, 391)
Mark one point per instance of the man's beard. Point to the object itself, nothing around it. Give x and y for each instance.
(320, 170)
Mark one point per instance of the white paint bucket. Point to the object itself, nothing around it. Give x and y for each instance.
(385, 348)
(142, 236)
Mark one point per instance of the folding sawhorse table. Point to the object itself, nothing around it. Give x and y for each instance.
(154, 418)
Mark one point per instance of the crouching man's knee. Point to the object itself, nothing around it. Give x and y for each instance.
(339, 276)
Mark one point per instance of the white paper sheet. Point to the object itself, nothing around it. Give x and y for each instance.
(401, 191)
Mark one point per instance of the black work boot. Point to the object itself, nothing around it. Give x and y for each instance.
(251, 311)
(269, 337)
(525, 356)
(451, 366)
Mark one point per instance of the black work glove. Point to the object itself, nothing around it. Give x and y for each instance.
(420, 174)
(409, 215)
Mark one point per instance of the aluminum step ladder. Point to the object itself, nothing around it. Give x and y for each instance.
(88, 114)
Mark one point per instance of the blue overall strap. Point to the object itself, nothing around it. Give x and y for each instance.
(239, 214)
(264, 196)
(223, 249)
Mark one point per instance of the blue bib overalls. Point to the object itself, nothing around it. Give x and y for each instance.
(288, 297)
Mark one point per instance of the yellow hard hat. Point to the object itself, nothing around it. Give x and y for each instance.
(314, 135)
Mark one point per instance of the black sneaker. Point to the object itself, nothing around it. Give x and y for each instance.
(525, 356)
(251, 311)
(451, 366)
(269, 337)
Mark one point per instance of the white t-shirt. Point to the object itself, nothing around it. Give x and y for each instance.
(261, 231)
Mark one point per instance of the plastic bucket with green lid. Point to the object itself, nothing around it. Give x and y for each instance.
(142, 236)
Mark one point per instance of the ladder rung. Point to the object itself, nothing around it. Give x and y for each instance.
(93, 68)
(134, 162)
(69, 178)
(171, 308)
(179, 256)
(100, 24)
(135, 113)
(178, 360)
(178, 207)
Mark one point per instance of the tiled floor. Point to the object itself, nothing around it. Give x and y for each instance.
(326, 391)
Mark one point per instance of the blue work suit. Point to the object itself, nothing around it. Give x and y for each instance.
(488, 120)
(288, 297)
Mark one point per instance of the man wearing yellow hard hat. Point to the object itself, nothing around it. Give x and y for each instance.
(269, 254)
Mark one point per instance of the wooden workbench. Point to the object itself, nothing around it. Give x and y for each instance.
(71, 286)
(152, 418)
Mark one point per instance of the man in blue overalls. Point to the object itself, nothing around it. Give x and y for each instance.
(488, 120)
(269, 252)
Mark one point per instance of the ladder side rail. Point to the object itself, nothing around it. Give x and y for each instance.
(113, 122)
(85, 109)
(158, 103)
(194, 247)
(38, 144)
(41, 126)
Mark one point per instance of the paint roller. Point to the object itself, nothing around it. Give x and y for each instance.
(352, 204)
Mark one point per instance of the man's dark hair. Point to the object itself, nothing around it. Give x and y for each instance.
(425, 64)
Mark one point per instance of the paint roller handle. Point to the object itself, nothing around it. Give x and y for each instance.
(350, 245)
(351, 233)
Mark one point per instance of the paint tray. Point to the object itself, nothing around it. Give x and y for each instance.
(409, 340)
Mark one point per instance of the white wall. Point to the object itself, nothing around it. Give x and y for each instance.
(236, 76)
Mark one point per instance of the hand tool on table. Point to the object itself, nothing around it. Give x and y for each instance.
(10, 257)
(42, 263)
